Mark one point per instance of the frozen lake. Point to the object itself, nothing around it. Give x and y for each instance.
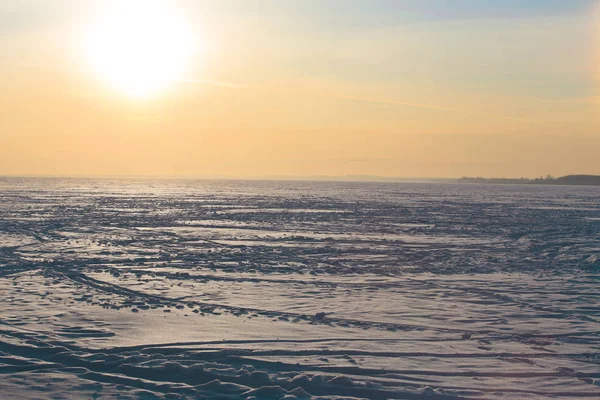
(199, 289)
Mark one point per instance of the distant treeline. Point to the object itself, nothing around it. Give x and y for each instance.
(584, 180)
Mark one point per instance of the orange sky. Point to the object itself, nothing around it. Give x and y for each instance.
(409, 95)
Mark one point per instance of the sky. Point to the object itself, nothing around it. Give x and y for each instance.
(287, 88)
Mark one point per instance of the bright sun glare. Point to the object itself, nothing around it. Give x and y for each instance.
(140, 47)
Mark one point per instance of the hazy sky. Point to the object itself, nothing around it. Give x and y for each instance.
(410, 88)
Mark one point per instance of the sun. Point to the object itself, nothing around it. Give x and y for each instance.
(140, 47)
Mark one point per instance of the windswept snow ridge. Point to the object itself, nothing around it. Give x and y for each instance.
(285, 290)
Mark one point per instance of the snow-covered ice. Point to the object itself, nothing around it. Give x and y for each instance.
(125, 289)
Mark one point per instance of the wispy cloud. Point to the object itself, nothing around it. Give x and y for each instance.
(386, 102)
(204, 82)
(400, 103)
(229, 85)
(29, 65)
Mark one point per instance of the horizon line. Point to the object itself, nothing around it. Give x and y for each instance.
(291, 178)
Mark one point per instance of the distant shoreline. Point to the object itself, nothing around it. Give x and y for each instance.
(569, 180)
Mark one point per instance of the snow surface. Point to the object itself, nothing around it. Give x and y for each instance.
(233, 290)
